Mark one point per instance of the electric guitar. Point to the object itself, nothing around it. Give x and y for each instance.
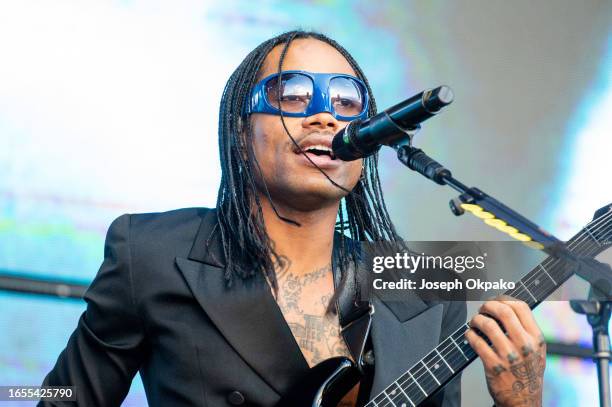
(329, 381)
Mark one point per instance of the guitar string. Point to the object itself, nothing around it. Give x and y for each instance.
(582, 236)
(579, 241)
(442, 352)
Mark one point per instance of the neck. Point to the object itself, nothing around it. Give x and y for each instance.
(308, 246)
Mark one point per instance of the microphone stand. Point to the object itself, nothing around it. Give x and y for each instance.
(598, 307)
(597, 310)
(599, 275)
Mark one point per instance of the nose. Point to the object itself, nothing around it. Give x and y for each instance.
(322, 121)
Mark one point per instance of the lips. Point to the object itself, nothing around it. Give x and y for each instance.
(318, 144)
(320, 150)
(317, 147)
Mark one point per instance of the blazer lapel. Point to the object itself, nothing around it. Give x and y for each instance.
(246, 314)
(402, 333)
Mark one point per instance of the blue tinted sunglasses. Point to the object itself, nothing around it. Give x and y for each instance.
(304, 94)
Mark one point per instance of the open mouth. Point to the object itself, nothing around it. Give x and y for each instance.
(320, 150)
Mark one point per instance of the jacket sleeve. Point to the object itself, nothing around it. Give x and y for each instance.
(106, 349)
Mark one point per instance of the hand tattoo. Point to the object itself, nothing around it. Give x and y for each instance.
(528, 372)
(526, 387)
(498, 369)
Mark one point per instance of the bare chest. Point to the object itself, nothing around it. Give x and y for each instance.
(303, 300)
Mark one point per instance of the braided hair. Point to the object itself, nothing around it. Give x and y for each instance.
(247, 247)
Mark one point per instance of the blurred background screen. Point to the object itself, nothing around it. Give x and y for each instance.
(111, 107)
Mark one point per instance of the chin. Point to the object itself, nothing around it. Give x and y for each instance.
(314, 195)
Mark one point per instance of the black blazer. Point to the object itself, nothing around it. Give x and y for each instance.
(159, 305)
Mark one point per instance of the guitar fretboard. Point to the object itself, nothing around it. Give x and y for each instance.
(454, 353)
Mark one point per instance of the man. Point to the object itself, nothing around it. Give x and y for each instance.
(231, 306)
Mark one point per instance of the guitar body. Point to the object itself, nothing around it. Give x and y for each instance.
(324, 385)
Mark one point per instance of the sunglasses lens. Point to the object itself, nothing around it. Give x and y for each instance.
(295, 93)
(346, 96)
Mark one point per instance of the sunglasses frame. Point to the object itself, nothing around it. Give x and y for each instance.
(320, 102)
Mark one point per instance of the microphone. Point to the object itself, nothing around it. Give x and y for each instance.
(364, 137)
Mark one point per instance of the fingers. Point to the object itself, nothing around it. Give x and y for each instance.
(524, 314)
(489, 358)
(500, 342)
(523, 335)
(506, 314)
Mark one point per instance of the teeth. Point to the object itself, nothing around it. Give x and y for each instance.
(318, 147)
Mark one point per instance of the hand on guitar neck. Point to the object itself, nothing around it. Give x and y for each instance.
(514, 361)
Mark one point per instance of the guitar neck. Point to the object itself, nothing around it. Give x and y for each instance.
(454, 354)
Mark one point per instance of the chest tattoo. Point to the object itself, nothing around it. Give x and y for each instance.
(303, 300)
